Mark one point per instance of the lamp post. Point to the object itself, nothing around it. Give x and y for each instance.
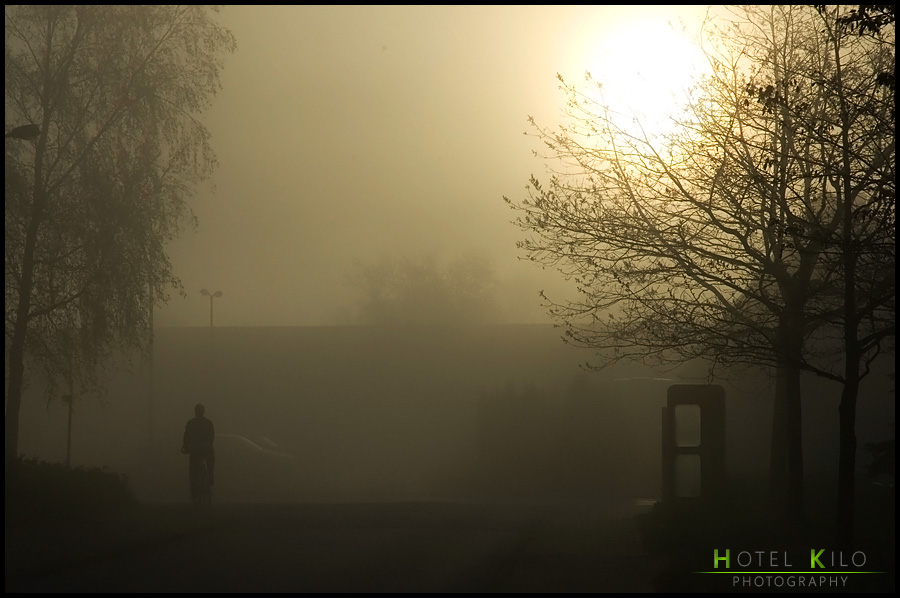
(150, 456)
(212, 368)
(211, 297)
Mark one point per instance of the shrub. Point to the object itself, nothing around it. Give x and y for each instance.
(37, 491)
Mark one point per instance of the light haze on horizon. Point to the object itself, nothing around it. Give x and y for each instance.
(353, 134)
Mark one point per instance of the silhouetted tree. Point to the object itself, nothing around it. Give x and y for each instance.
(727, 239)
(100, 188)
(860, 84)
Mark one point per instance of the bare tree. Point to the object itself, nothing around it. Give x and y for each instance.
(112, 94)
(723, 239)
(861, 170)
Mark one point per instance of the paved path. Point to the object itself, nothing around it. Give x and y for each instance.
(389, 547)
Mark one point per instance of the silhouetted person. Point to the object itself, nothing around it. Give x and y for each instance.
(198, 443)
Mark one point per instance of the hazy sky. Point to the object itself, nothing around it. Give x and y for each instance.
(357, 133)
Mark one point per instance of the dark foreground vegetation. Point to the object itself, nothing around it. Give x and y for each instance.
(41, 492)
(684, 536)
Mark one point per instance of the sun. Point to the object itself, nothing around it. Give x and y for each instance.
(646, 69)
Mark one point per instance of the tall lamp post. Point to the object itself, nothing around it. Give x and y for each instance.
(150, 454)
(211, 297)
(211, 344)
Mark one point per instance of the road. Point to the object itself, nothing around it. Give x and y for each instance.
(387, 547)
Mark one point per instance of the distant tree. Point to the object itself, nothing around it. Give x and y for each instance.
(728, 239)
(568, 441)
(519, 439)
(401, 292)
(113, 94)
(884, 454)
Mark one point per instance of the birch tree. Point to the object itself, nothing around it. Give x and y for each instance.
(104, 150)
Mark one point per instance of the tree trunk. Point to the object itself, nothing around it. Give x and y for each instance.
(794, 446)
(847, 465)
(786, 460)
(778, 463)
(850, 393)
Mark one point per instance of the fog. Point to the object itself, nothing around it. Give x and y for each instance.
(394, 408)
(372, 413)
(376, 324)
(358, 134)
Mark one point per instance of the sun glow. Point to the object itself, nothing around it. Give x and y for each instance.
(646, 69)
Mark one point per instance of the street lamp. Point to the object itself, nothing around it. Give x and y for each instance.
(211, 297)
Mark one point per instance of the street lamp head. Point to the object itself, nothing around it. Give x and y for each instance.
(211, 296)
(26, 132)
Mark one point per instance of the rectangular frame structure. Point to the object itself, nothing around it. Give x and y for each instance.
(709, 450)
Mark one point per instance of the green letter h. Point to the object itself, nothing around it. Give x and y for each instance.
(717, 558)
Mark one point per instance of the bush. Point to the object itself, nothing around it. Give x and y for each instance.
(37, 491)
